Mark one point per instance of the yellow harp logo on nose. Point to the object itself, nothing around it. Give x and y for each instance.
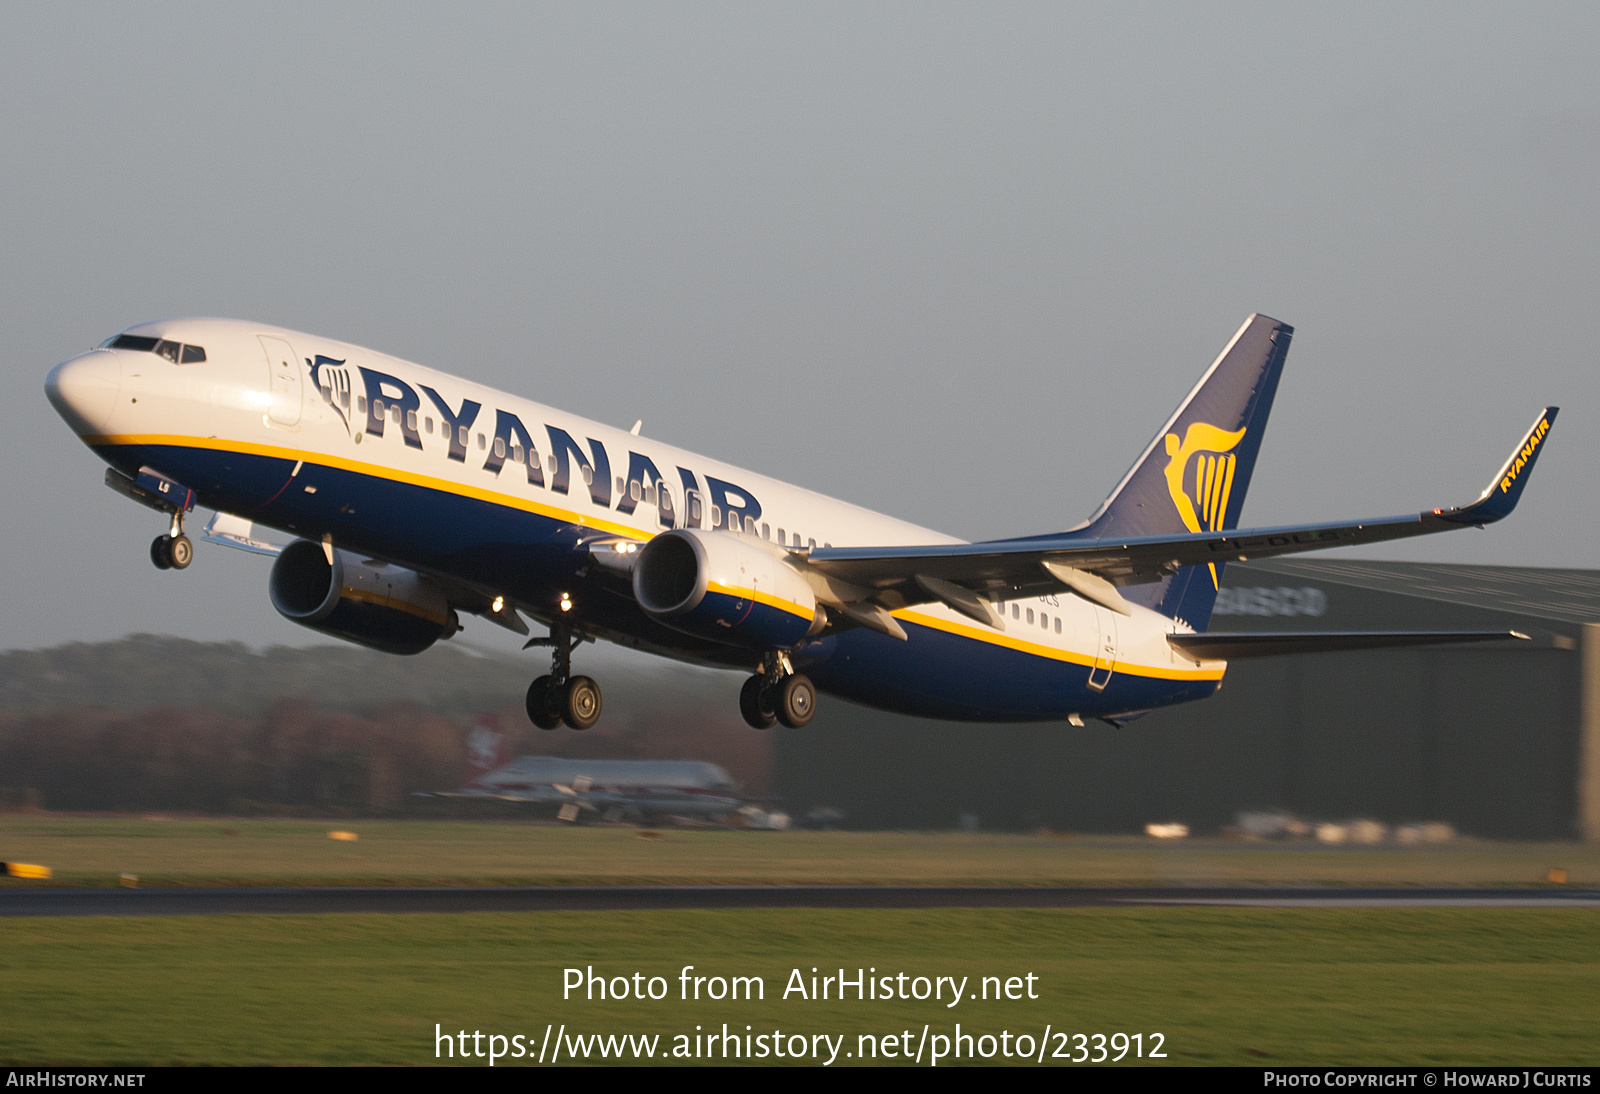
(1202, 497)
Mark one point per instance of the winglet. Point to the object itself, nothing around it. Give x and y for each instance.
(1503, 493)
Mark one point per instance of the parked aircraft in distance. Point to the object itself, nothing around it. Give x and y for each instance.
(418, 496)
(635, 790)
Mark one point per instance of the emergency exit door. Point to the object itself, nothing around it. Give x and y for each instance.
(1105, 657)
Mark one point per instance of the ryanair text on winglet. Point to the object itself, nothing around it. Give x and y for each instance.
(1526, 454)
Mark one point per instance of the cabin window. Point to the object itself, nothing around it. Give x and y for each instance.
(1030, 615)
(749, 526)
(344, 399)
(464, 436)
(193, 355)
(552, 462)
(635, 491)
(516, 453)
(716, 516)
(361, 404)
(411, 420)
(766, 531)
(811, 545)
(394, 412)
(1058, 624)
(621, 486)
(500, 448)
(693, 499)
(650, 495)
(1016, 611)
(482, 442)
(428, 423)
(170, 350)
(377, 408)
(781, 540)
(134, 341)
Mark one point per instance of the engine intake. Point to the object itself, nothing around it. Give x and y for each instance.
(726, 588)
(388, 608)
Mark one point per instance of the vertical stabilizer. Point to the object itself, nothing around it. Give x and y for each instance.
(1194, 474)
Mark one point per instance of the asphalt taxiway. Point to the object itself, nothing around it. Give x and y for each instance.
(22, 900)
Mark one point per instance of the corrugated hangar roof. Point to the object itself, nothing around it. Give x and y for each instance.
(1572, 596)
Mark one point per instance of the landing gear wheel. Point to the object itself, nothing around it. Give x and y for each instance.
(755, 704)
(580, 706)
(542, 710)
(180, 551)
(161, 552)
(795, 700)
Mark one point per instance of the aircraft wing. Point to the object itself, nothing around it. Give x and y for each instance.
(957, 573)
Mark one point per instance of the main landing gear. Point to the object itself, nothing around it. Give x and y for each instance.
(172, 551)
(561, 696)
(777, 694)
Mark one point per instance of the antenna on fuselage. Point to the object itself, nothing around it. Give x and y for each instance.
(638, 425)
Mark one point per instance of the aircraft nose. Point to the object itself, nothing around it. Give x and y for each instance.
(84, 389)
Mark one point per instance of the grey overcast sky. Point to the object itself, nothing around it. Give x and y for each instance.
(952, 261)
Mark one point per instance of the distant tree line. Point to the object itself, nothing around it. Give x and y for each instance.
(292, 758)
(217, 728)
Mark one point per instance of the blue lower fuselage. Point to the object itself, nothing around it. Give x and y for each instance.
(533, 559)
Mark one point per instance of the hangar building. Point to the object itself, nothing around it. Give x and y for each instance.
(1500, 740)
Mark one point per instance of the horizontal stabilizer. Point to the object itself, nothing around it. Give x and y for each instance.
(1238, 646)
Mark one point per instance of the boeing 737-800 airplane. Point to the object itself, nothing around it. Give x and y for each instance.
(417, 496)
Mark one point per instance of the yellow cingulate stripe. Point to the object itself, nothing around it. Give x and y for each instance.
(1160, 672)
(379, 471)
(764, 598)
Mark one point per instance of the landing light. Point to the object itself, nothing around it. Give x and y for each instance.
(498, 605)
(566, 602)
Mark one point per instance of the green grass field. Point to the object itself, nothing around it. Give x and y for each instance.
(1228, 986)
(1224, 986)
(186, 851)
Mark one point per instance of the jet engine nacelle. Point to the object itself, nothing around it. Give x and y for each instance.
(721, 586)
(386, 607)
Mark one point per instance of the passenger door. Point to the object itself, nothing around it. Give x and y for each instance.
(284, 383)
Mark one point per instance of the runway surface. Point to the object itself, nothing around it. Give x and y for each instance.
(15, 900)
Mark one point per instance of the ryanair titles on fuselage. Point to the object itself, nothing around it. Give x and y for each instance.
(391, 402)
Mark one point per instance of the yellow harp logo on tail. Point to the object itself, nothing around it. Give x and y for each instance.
(1202, 497)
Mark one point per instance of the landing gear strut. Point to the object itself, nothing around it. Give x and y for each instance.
(561, 696)
(172, 551)
(777, 694)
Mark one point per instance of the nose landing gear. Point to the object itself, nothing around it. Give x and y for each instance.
(561, 697)
(777, 694)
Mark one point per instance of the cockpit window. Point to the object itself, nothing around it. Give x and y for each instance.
(176, 352)
(134, 341)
